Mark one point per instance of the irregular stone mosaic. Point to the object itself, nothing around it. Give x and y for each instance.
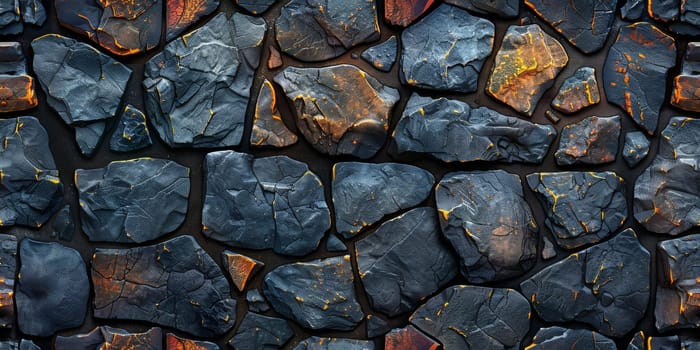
(636, 148)
(686, 86)
(106, 337)
(8, 268)
(182, 14)
(268, 127)
(13, 13)
(409, 338)
(678, 282)
(682, 17)
(403, 12)
(383, 56)
(578, 91)
(16, 86)
(503, 8)
(316, 343)
(672, 342)
(261, 332)
(240, 267)
(173, 342)
(593, 140)
(131, 133)
(556, 337)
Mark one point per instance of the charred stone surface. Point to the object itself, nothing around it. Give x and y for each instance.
(392, 261)
(89, 136)
(240, 267)
(383, 56)
(581, 207)
(578, 91)
(131, 133)
(409, 338)
(677, 304)
(363, 193)
(174, 284)
(30, 189)
(494, 241)
(256, 302)
(636, 70)
(261, 332)
(52, 289)
(268, 127)
(181, 14)
(503, 8)
(667, 194)
(173, 342)
(133, 200)
(340, 109)
(13, 13)
(551, 338)
(493, 318)
(318, 30)
(8, 268)
(446, 50)
(606, 286)
(525, 67)
(263, 203)
(593, 140)
(197, 89)
(106, 337)
(318, 294)
(256, 7)
(453, 131)
(334, 244)
(16, 86)
(686, 86)
(316, 343)
(636, 148)
(585, 24)
(403, 12)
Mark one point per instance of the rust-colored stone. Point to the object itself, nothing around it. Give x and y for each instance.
(275, 60)
(173, 342)
(16, 87)
(240, 267)
(180, 14)
(404, 12)
(686, 86)
(409, 338)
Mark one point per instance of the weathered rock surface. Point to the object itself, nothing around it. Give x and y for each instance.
(409, 338)
(636, 148)
(240, 267)
(88, 341)
(672, 342)
(88, 136)
(256, 302)
(261, 332)
(181, 14)
(268, 127)
(633, 10)
(548, 251)
(173, 342)
(686, 86)
(681, 17)
(62, 225)
(566, 338)
(376, 326)
(16, 86)
(256, 7)
(404, 12)
(578, 91)
(316, 343)
(383, 56)
(334, 244)
(503, 8)
(593, 140)
(8, 269)
(131, 133)
(13, 13)
(677, 303)
(106, 337)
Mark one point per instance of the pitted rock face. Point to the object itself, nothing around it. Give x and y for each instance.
(593, 140)
(494, 241)
(318, 294)
(636, 148)
(131, 133)
(263, 203)
(494, 318)
(182, 14)
(581, 207)
(409, 338)
(636, 70)
(268, 127)
(404, 12)
(261, 332)
(446, 50)
(197, 89)
(525, 67)
(173, 342)
(8, 267)
(578, 91)
(552, 338)
(453, 131)
(686, 85)
(382, 56)
(317, 343)
(339, 109)
(504, 8)
(605, 286)
(174, 284)
(677, 304)
(16, 86)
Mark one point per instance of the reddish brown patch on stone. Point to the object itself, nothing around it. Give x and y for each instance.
(240, 268)
(404, 12)
(17, 93)
(275, 60)
(408, 338)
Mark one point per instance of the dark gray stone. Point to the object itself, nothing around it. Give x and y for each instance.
(274, 202)
(334, 244)
(676, 290)
(134, 200)
(63, 225)
(501, 8)
(88, 341)
(256, 7)
(556, 338)
(131, 133)
(363, 193)
(256, 302)
(197, 89)
(376, 326)
(673, 342)
(319, 294)
(548, 251)
(261, 332)
(106, 337)
(173, 342)
(14, 12)
(382, 56)
(494, 241)
(446, 50)
(174, 284)
(593, 140)
(8, 269)
(33, 12)
(88, 136)
(636, 148)
(316, 343)
(634, 10)
(578, 91)
(681, 17)
(268, 127)
(9, 345)
(25, 344)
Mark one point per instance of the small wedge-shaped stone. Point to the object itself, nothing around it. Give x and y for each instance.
(334, 244)
(363, 193)
(89, 136)
(131, 133)
(8, 267)
(677, 304)
(182, 14)
(446, 50)
(685, 93)
(409, 338)
(382, 56)
(578, 91)
(585, 24)
(106, 337)
(636, 148)
(261, 332)
(240, 267)
(339, 109)
(319, 294)
(636, 71)
(274, 202)
(173, 342)
(197, 89)
(317, 30)
(555, 338)
(52, 289)
(256, 302)
(525, 67)
(593, 140)
(30, 190)
(268, 127)
(581, 207)
(494, 241)
(606, 286)
(666, 194)
(453, 131)
(133, 200)
(404, 12)
(316, 343)
(174, 284)
(16, 86)
(256, 7)
(392, 261)
(493, 318)
(502, 8)
(81, 84)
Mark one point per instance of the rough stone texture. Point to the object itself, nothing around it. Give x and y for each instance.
(376, 326)
(605, 286)
(636, 148)
(261, 332)
(383, 56)
(30, 189)
(268, 127)
(131, 133)
(446, 50)
(122, 27)
(681, 17)
(240, 267)
(494, 241)
(581, 207)
(404, 12)
(89, 136)
(198, 87)
(256, 302)
(493, 318)
(686, 86)
(15, 12)
(181, 14)
(16, 86)
(88, 341)
(548, 251)
(263, 203)
(633, 10)
(554, 338)
(106, 337)
(339, 109)
(672, 342)
(525, 67)
(62, 225)
(393, 260)
(409, 338)
(8, 267)
(275, 59)
(363, 193)
(256, 7)
(174, 284)
(173, 342)
(636, 70)
(593, 140)
(678, 282)
(52, 289)
(578, 91)
(318, 294)
(133, 200)
(317, 30)
(585, 24)
(502, 8)
(33, 12)
(451, 130)
(316, 343)
(666, 194)
(334, 244)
